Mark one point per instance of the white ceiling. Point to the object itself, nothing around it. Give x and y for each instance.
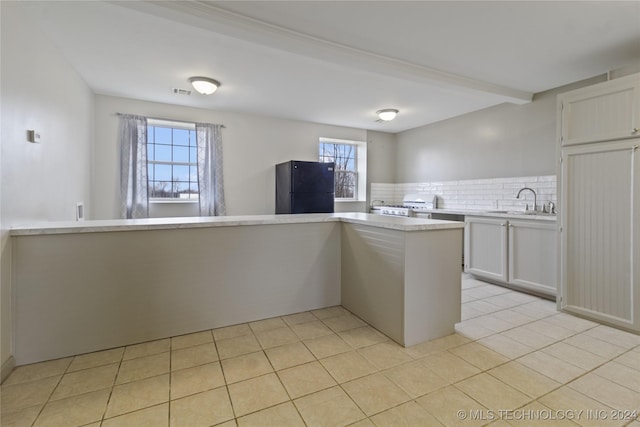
(337, 62)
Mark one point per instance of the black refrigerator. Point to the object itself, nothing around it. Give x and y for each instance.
(304, 187)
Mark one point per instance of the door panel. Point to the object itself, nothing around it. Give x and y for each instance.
(598, 216)
(486, 247)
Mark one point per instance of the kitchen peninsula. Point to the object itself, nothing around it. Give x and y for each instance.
(92, 285)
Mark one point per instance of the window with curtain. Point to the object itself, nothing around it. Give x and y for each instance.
(133, 167)
(163, 160)
(172, 161)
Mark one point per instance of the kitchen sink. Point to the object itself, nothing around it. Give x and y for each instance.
(522, 213)
(507, 212)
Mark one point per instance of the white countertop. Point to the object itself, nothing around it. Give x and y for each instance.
(398, 223)
(100, 226)
(513, 215)
(499, 214)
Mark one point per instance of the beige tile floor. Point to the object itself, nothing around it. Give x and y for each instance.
(513, 361)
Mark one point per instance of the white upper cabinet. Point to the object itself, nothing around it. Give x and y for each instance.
(602, 112)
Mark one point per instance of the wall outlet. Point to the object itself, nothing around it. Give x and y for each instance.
(80, 211)
(33, 136)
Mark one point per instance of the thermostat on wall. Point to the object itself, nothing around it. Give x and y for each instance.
(33, 136)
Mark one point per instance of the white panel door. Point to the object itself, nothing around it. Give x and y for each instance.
(606, 111)
(485, 247)
(599, 232)
(533, 255)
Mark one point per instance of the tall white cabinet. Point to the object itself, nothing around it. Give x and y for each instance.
(599, 202)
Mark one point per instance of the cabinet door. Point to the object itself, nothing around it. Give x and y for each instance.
(533, 255)
(605, 111)
(485, 247)
(600, 201)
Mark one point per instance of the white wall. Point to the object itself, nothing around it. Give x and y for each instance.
(503, 141)
(381, 158)
(40, 182)
(252, 146)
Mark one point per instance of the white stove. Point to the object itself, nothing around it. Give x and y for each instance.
(396, 210)
(411, 205)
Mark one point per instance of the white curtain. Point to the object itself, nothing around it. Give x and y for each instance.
(210, 178)
(133, 167)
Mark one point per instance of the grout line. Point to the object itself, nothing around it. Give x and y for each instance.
(280, 379)
(113, 386)
(226, 384)
(170, 376)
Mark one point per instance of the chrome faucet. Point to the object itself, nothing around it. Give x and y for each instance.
(535, 197)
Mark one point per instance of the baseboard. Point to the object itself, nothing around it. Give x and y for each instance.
(6, 368)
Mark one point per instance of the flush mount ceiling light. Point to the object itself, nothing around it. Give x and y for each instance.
(387, 114)
(204, 85)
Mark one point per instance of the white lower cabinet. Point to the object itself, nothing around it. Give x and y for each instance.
(518, 253)
(533, 255)
(485, 247)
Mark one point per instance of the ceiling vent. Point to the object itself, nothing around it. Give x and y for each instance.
(181, 91)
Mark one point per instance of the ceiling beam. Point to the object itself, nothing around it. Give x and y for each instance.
(210, 17)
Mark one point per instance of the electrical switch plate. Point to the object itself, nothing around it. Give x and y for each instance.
(33, 136)
(80, 211)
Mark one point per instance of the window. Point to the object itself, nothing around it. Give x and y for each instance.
(172, 161)
(350, 159)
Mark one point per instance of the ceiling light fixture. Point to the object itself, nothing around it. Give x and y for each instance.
(204, 85)
(387, 114)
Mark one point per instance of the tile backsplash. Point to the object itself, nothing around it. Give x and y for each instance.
(473, 194)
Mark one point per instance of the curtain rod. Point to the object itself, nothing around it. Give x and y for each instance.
(166, 120)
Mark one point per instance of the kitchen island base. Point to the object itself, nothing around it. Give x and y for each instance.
(406, 285)
(79, 293)
(84, 287)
